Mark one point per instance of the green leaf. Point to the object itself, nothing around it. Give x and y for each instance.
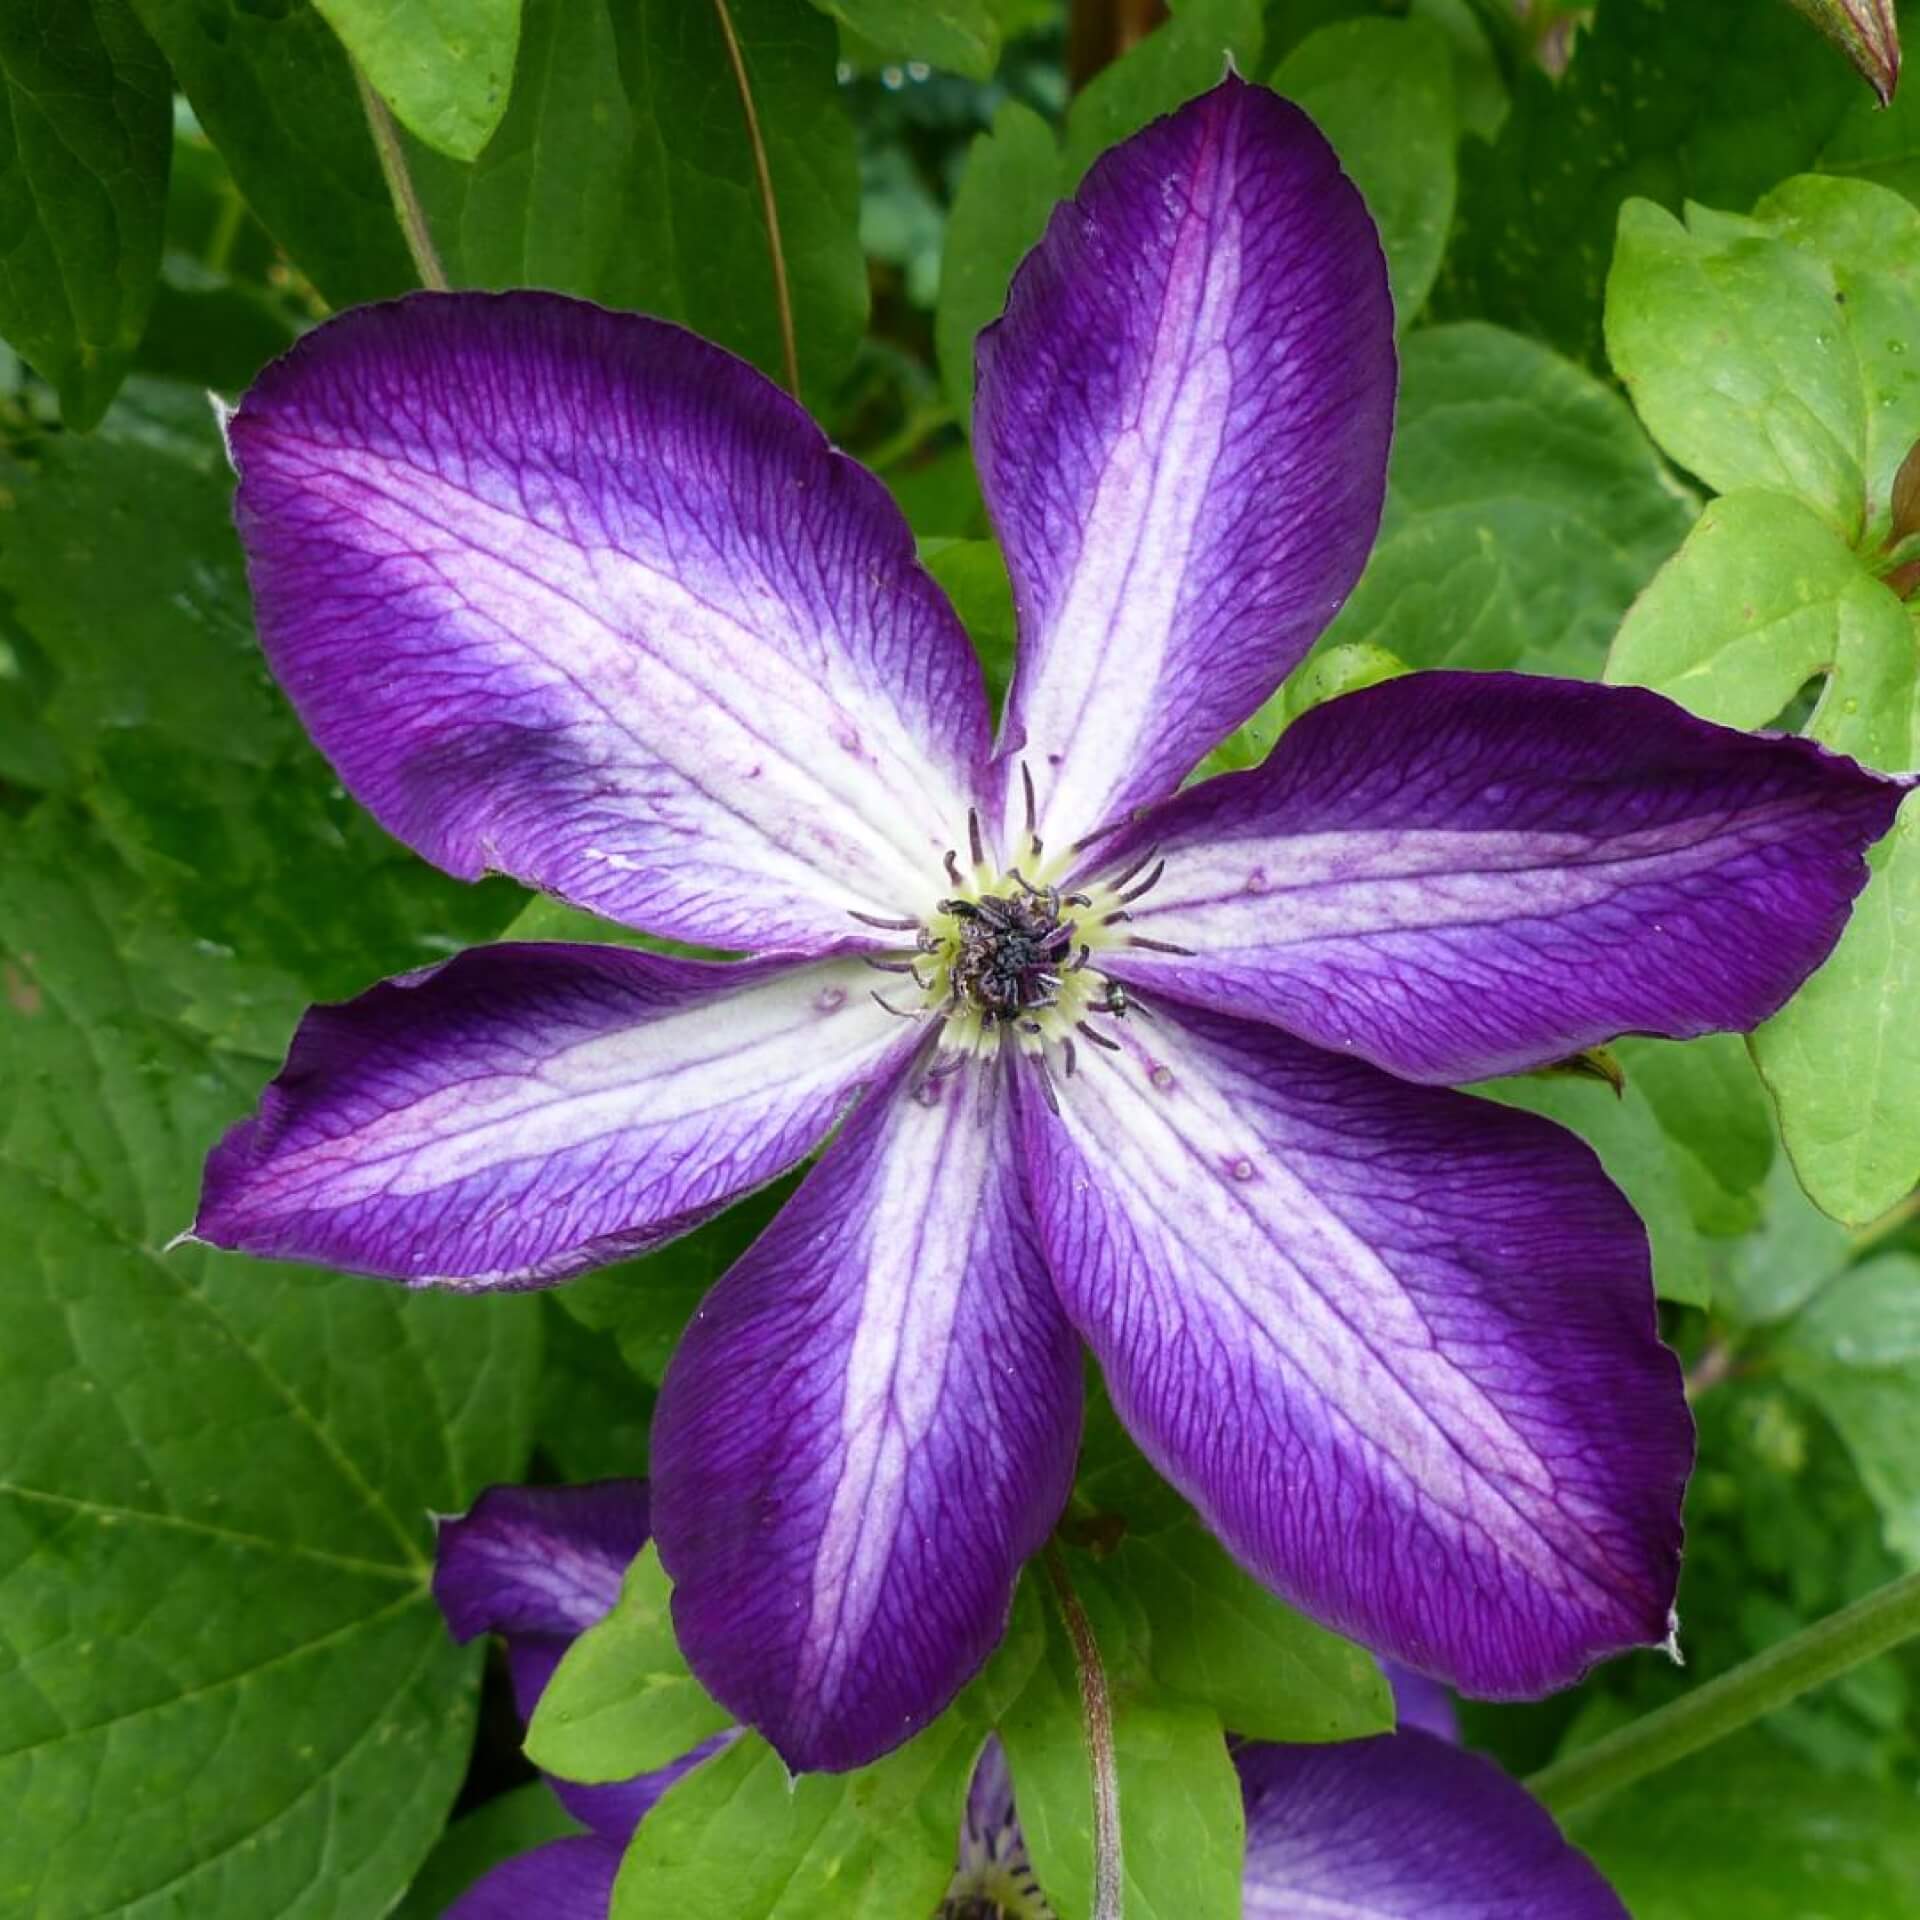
(740, 1835)
(1842, 1058)
(1773, 352)
(1795, 1250)
(1712, 1108)
(623, 172)
(86, 132)
(1726, 339)
(646, 1303)
(1638, 1158)
(1324, 675)
(1382, 92)
(542, 205)
(1764, 597)
(1182, 1829)
(974, 577)
(1221, 1640)
(1855, 1352)
(272, 88)
(594, 1409)
(1012, 179)
(1525, 509)
(960, 35)
(622, 1702)
(1672, 103)
(118, 557)
(510, 1823)
(1748, 1828)
(443, 66)
(227, 1687)
(1015, 174)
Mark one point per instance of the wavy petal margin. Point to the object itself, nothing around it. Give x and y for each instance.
(525, 1112)
(1396, 1344)
(576, 596)
(1457, 875)
(1405, 1827)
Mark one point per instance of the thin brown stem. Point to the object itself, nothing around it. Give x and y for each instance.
(1096, 1713)
(782, 296)
(406, 202)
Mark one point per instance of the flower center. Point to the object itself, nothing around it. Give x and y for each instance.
(1005, 960)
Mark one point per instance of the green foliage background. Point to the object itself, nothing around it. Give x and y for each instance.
(1661, 362)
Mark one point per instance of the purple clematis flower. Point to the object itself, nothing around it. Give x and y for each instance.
(1400, 1827)
(573, 595)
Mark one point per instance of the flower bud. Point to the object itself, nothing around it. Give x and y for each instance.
(1867, 32)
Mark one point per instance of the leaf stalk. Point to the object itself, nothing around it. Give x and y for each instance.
(1770, 1680)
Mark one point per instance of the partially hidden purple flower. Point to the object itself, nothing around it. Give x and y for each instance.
(1401, 1825)
(576, 596)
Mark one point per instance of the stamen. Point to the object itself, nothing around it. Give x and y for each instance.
(973, 837)
(1070, 1054)
(953, 868)
(1080, 959)
(1046, 1084)
(951, 1063)
(890, 966)
(1106, 832)
(1120, 879)
(1146, 886)
(885, 926)
(1158, 946)
(1099, 1039)
(1026, 780)
(899, 1013)
(1114, 919)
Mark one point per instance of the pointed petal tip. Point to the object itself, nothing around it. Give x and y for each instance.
(1182, 420)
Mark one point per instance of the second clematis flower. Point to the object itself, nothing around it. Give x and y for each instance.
(1404, 1826)
(578, 597)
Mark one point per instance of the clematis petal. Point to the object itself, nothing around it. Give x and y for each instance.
(1396, 1344)
(546, 1561)
(867, 1428)
(569, 1879)
(1181, 425)
(1422, 1702)
(576, 596)
(1457, 875)
(539, 1566)
(1405, 1827)
(522, 1113)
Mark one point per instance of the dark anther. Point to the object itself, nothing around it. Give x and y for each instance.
(1119, 880)
(1076, 899)
(973, 836)
(885, 926)
(1069, 1056)
(953, 868)
(899, 1013)
(1080, 959)
(1159, 946)
(1114, 919)
(888, 966)
(1009, 950)
(1145, 886)
(1099, 1039)
(1033, 838)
